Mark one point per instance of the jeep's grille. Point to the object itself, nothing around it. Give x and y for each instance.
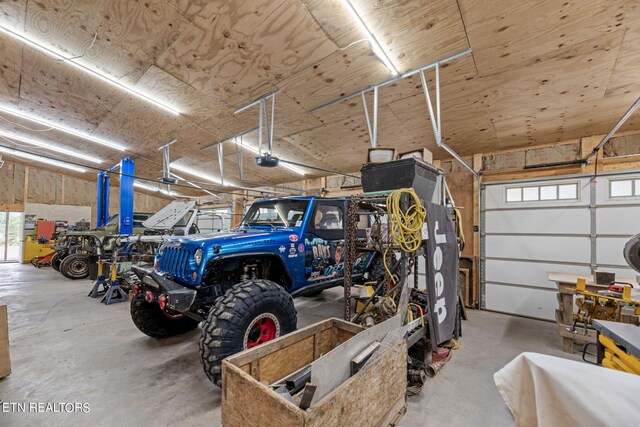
(175, 261)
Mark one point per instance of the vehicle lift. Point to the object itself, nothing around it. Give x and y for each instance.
(110, 282)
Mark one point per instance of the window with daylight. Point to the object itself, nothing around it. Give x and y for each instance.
(542, 193)
(624, 188)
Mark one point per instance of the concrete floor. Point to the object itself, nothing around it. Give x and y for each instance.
(66, 347)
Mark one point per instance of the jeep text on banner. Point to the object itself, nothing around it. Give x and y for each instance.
(442, 271)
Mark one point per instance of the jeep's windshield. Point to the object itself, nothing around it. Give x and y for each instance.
(284, 213)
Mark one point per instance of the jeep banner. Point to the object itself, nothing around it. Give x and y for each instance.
(442, 271)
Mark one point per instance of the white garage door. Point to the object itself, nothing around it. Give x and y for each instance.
(567, 225)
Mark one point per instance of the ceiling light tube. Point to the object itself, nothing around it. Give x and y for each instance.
(62, 129)
(195, 173)
(51, 147)
(193, 184)
(44, 160)
(375, 46)
(87, 70)
(255, 151)
(154, 189)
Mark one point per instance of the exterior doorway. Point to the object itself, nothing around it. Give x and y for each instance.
(10, 236)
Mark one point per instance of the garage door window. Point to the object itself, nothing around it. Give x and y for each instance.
(624, 188)
(542, 193)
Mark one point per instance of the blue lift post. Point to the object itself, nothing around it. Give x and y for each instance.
(109, 280)
(127, 171)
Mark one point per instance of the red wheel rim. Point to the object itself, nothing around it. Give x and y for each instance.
(263, 328)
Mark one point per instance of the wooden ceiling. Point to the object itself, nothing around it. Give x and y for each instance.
(540, 72)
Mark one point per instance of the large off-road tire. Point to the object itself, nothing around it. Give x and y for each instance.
(75, 266)
(151, 320)
(56, 260)
(249, 314)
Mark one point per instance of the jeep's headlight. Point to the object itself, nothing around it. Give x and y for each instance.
(197, 256)
(161, 249)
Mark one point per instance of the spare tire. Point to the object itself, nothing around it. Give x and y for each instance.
(56, 260)
(250, 313)
(75, 266)
(150, 319)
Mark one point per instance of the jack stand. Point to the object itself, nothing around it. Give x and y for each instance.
(100, 280)
(111, 291)
(96, 291)
(114, 293)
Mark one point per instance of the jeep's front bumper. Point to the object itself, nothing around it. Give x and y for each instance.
(179, 297)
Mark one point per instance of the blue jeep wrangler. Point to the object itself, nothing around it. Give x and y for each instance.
(239, 283)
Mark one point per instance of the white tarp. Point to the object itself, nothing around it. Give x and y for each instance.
(543, 390)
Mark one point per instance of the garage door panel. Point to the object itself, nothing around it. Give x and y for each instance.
(525, 240)
(569, 221)
(494, 195)
(618, 220)
(542, 248)
(537, 303)
(602, 193)
(609, 250)
(527, 273)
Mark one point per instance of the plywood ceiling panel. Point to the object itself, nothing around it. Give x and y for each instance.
(540, 72)
(403, 27)
(340, 74)
(129, 36)
(10, 68)
(64, 91)
(237, 50)
(188, 8)
(625, 78)
(505, 33)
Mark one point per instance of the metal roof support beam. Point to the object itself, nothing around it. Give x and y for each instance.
(221, 162)
(240, 134)
(239, 159)
(366, 116)
(373, 129)
(166, 160)
(257, 101)
(391, 80)
(435, 118)
(374, 140)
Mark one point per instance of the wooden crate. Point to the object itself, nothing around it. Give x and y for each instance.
(5, 363)
(375, 396)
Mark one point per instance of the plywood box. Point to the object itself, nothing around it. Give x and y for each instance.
(5, 363)
(375, 396)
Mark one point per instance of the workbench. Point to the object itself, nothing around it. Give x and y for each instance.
(566, 283)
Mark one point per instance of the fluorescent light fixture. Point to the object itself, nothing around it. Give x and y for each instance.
(255, 151)
(196, 173)
(35, 158)
(62, 128)
(194, 185)
(51, 147)
(155, 190)
(87, 70)
(375, 46)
